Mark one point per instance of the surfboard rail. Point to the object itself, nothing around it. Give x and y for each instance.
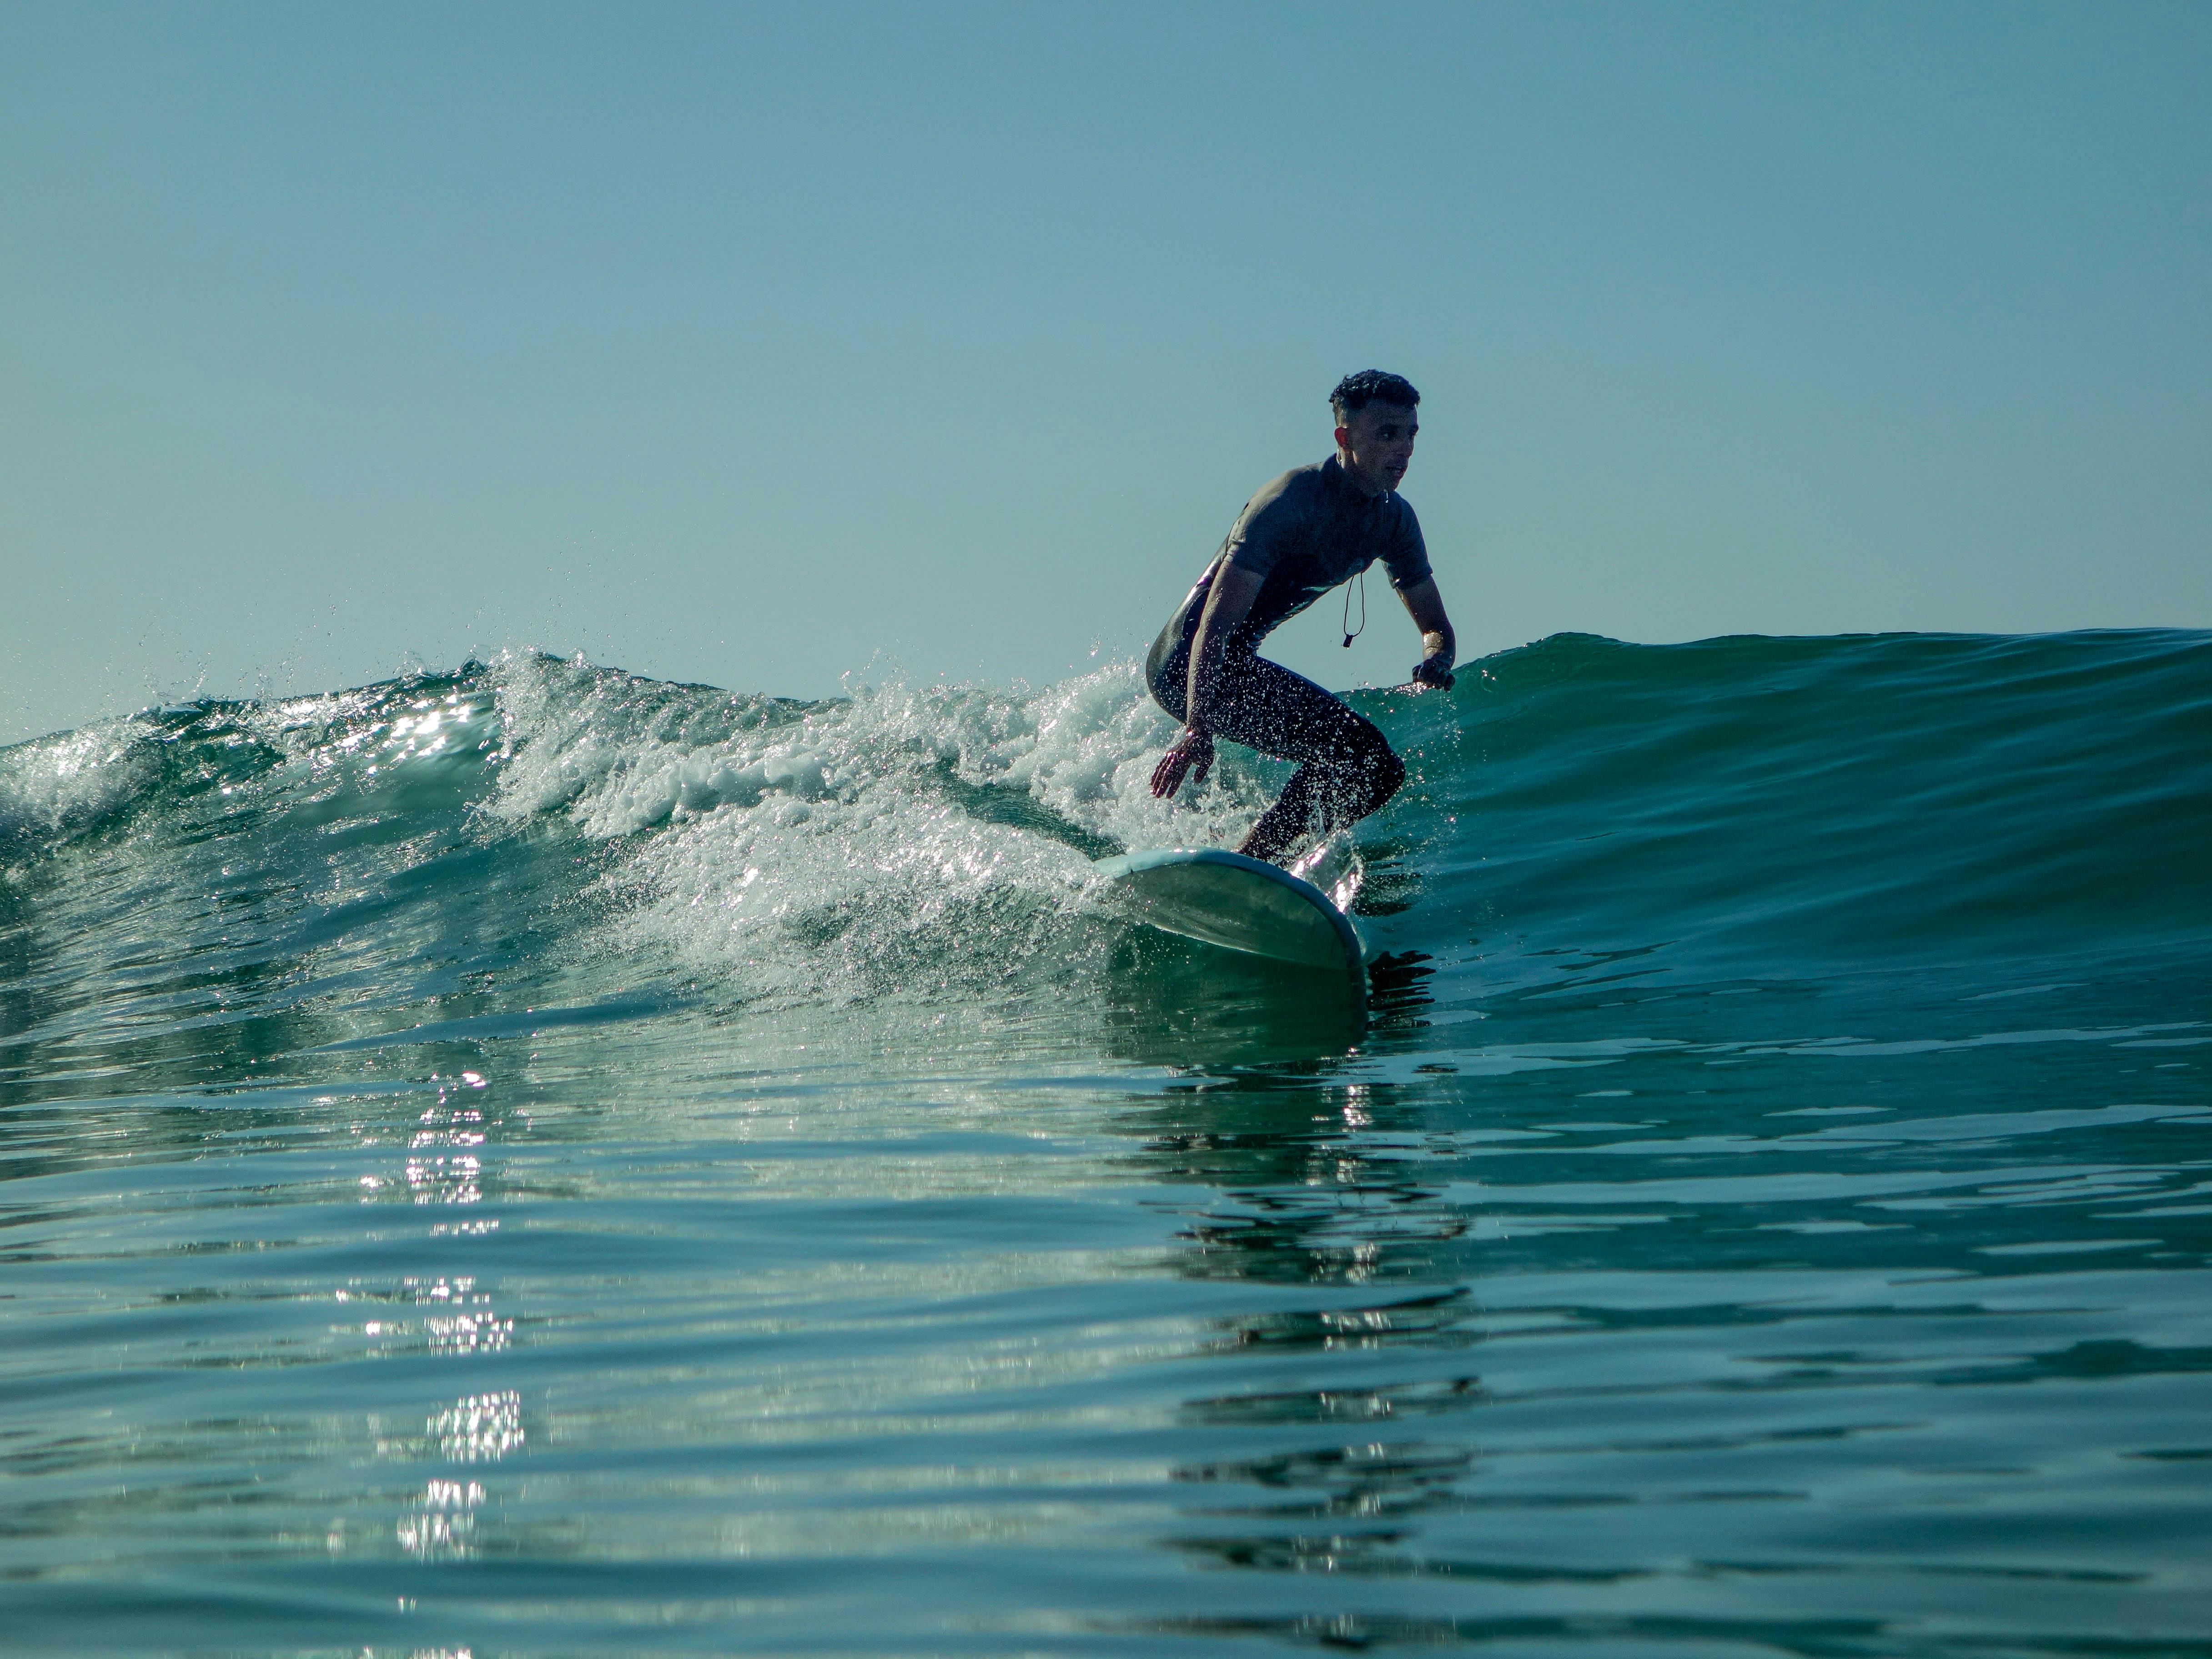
(1239, 904)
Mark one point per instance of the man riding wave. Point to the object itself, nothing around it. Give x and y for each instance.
(1309, 531)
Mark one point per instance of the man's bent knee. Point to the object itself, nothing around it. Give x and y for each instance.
(1381, 777)
(1376, 765)
(1362, 785)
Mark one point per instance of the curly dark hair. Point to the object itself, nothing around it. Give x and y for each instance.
(1372, 385)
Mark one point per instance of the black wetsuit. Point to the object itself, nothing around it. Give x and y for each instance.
(1303, 534)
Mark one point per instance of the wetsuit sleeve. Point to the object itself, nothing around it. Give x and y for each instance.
(1267, 529)
(1408, 557)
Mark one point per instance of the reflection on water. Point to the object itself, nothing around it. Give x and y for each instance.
(442, 1165)
(483, 1428)
(1646, 1338)
(1315, 1188)
(1171, 1002)
(444, 1526)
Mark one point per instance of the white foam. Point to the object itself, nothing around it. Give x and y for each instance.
(76, 778)
(843, 845)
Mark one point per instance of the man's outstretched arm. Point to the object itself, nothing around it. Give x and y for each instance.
(1439, 650)
(1227, 604)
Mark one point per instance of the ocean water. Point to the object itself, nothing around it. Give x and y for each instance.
(538, 1160)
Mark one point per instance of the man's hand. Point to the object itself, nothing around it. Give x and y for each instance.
(1192, 752)
(1434, 669)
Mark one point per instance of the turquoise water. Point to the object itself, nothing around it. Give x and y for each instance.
(536, 1160)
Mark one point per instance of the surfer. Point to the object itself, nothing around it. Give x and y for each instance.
(1302, 535)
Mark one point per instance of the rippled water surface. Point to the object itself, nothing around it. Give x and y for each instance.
(540, 1161)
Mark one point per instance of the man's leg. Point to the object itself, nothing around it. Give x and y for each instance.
(1349, 768)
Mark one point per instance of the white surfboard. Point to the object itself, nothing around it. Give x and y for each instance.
(1239, 904)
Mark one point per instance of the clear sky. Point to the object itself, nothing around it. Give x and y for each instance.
(759, 344)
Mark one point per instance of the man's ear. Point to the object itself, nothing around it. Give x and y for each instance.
(1344, 437)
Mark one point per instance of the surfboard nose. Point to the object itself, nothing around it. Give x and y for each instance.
(1239, 904)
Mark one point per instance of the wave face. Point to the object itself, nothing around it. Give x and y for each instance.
(302, 1001)
(1774, 808)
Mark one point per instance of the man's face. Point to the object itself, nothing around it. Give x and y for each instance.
(1377, 444)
